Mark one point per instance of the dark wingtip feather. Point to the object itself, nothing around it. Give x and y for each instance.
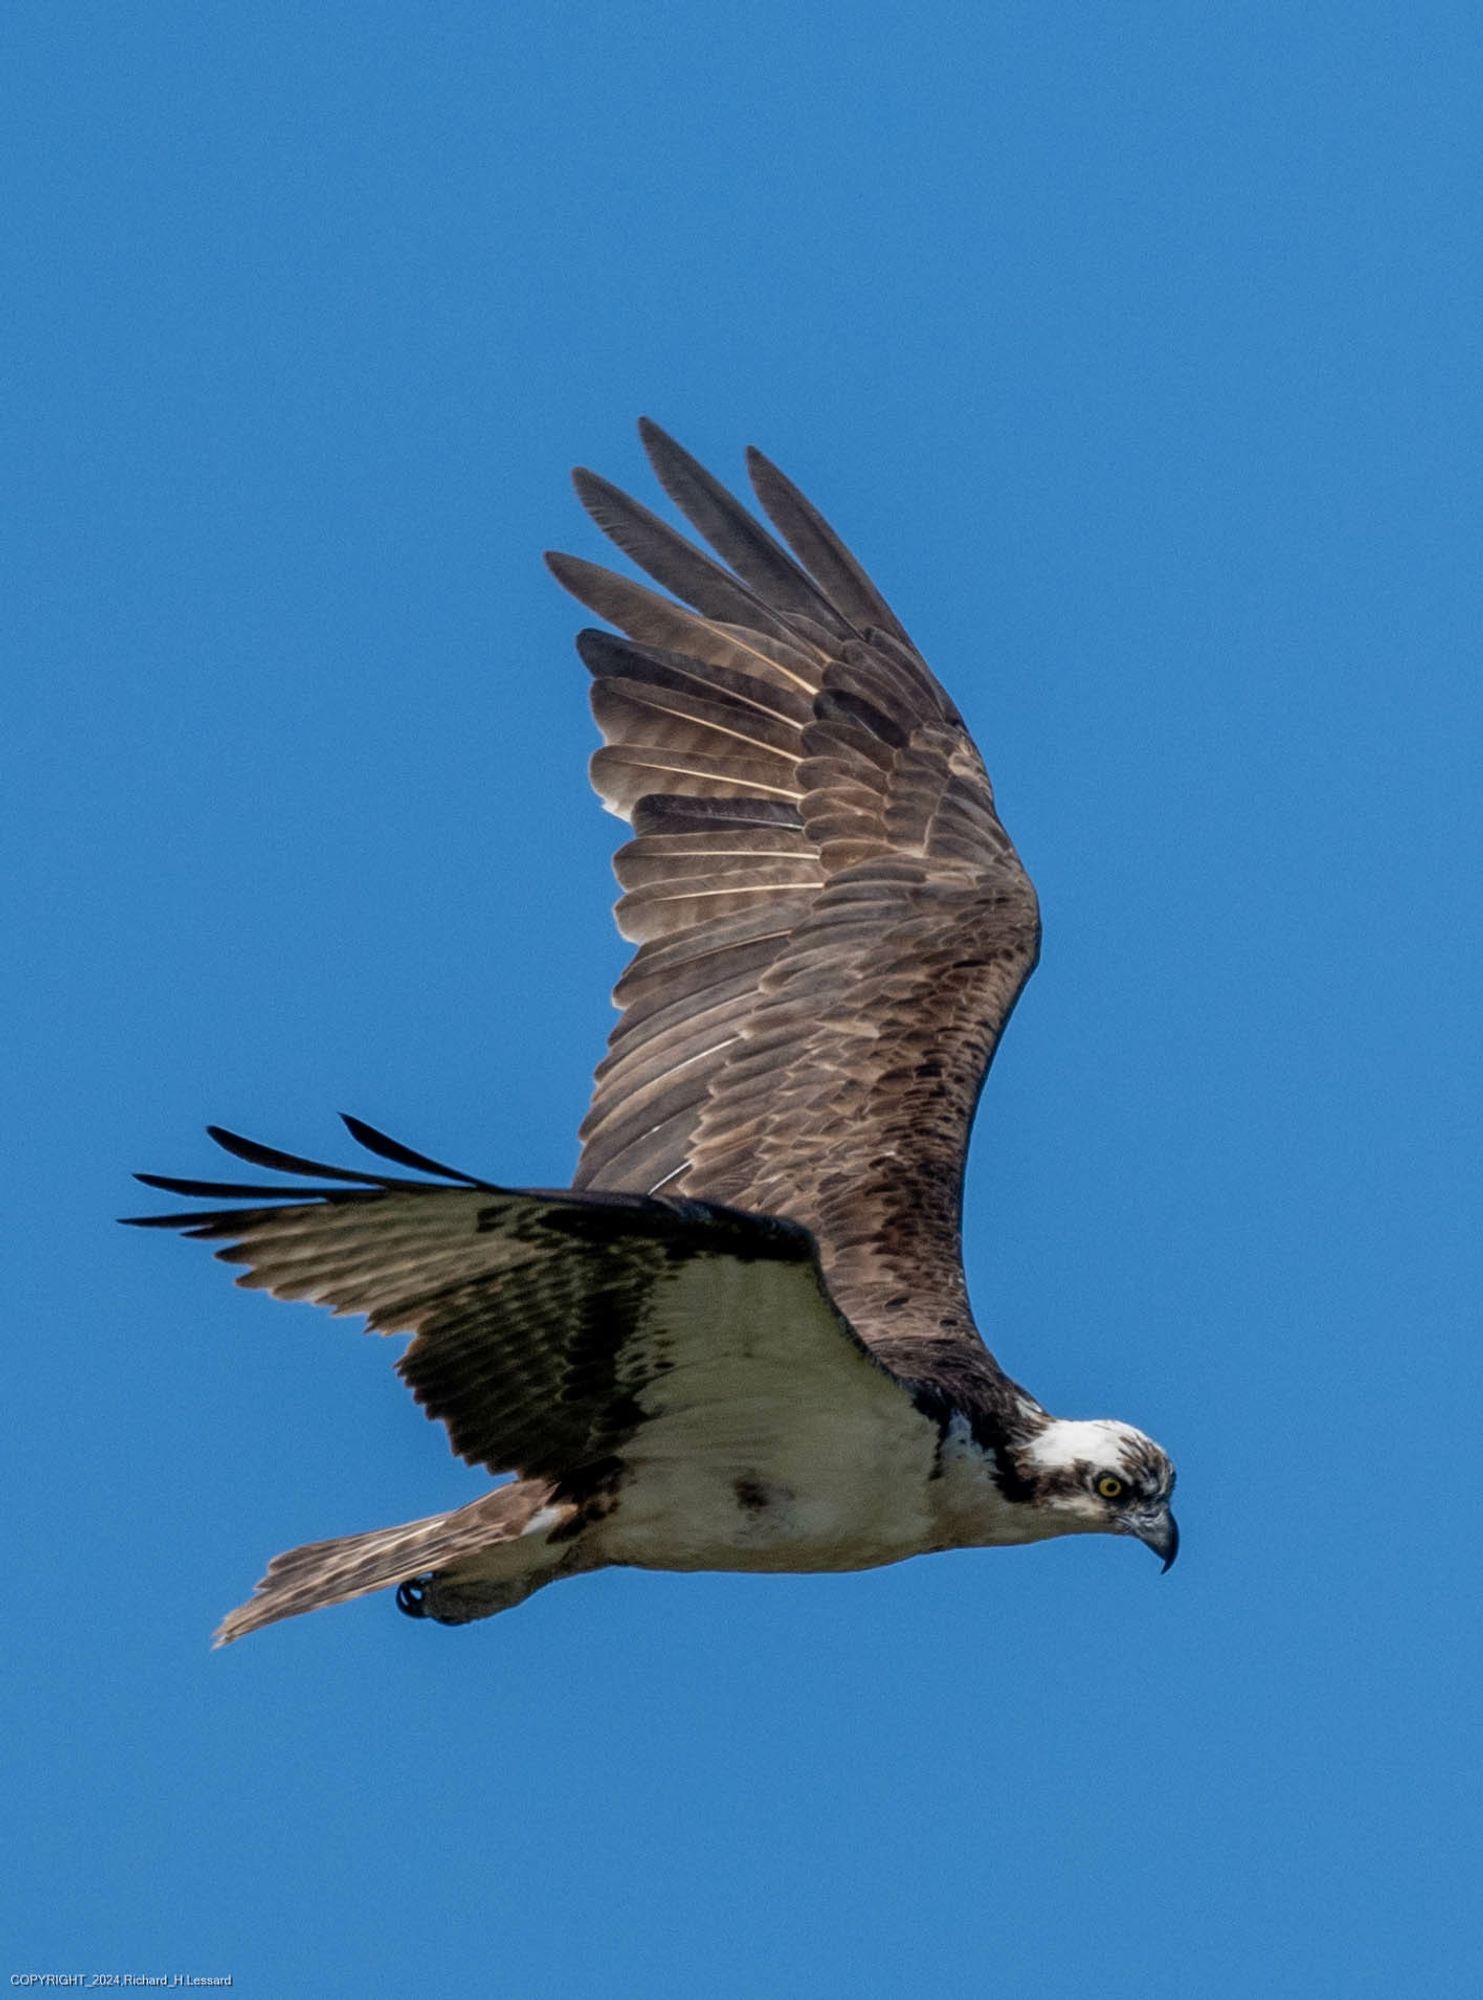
(736, 535)
(600, 652)
(227, 1190)
(393, 1149)
(592, 489)
(677, 564)
(660, 448)
(834, 567)
(279, 1162)
(207, 1223)
(569, 571)
(584, 580)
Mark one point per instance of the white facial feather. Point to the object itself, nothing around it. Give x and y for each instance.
(1068, 1441)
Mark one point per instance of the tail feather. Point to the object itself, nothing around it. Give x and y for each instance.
(333, 1572)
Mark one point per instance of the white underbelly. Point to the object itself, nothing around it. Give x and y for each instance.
(822, 1502)
(830, 1511)
(694, 1524)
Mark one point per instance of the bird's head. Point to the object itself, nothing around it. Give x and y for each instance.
(1103, 1477)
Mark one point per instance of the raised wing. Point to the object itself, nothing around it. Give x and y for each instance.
(833, 925)
(549, 1328)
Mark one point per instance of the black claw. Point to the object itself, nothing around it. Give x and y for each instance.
(411, 1597)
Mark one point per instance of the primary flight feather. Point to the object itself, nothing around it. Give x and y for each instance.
(741, 1339)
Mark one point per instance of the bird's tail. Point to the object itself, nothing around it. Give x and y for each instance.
(322, 1573)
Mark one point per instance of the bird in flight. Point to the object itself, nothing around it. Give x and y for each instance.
(741, 1340)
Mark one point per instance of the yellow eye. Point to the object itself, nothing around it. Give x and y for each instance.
(1109, 1487)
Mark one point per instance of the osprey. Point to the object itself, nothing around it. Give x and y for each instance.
(741, 1339)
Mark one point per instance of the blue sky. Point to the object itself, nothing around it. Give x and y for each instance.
(1135, 348)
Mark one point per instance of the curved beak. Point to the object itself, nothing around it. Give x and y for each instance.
(1158, 1530)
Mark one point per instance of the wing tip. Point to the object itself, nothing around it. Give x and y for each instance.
(384, 1147)
(591, 486)
(575, 574)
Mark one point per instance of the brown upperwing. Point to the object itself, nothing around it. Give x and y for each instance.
(833, 925)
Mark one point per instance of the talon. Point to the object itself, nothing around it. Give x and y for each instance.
(411, 1597)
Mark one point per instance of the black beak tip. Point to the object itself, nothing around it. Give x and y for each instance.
(1159, 1532)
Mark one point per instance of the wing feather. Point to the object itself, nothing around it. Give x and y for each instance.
(733, 533)
(820, 549)
(548, 1327)
(833, 925)
(670, 559)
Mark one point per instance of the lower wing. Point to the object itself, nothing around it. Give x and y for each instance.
(550, 1327)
